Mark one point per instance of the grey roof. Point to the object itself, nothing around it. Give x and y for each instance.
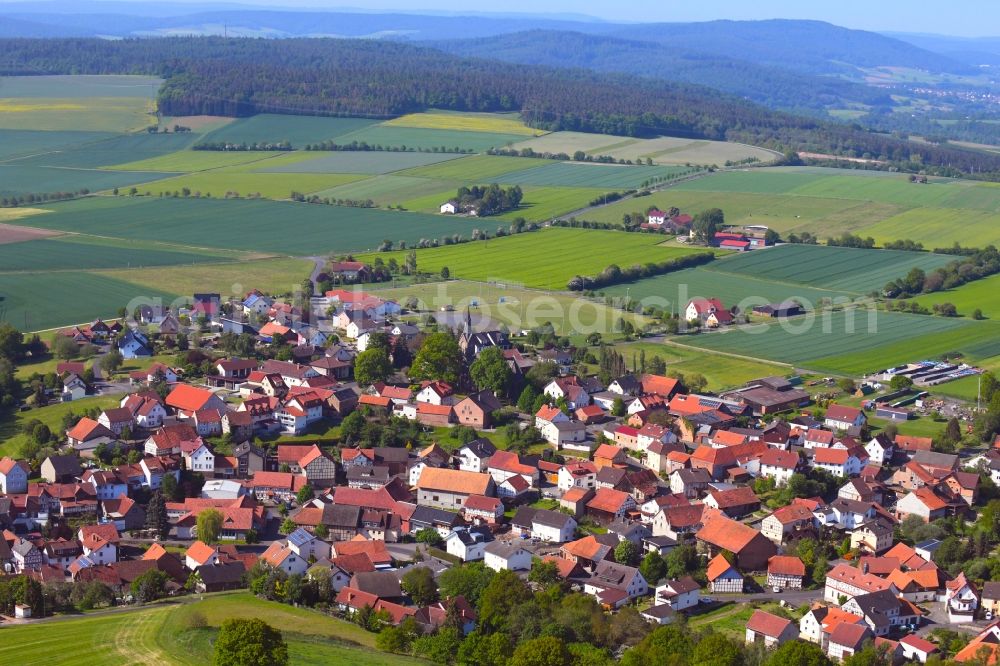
(427, 515)
(659, 612)
(340, 515)
(877, 605)
(629, 383)
(610, 475)
(935, 459)
(228, 573)
(991, 590)
(551, 518)
(378, 473)
(300, 537)
(481, 447)
(23, 547)
(612, 574)
(682, 585)
(65, 465)
(383, 584)
(391, 454)
(469, 536)
(504, 549)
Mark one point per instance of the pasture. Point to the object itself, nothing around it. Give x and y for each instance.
(298, 130)
(172, 633)
(545, 203)
(519, 309)
(245, 224)
(186, 161)
(500, 123)
(673, 290)
(982, 294)
(392, 189)
(368, 162)
(836, 268)
(545, 259)
(849, 342)
(12, 438)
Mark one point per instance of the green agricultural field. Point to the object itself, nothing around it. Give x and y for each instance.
(835, 268)
(299, 130)
(392, 189)
(576, 174)
(429, 139)
(851, 342)
(662, 150)
(502, 123)
(251, 225)
(722, 372)
(275, 276)
(83, 253)
(268, 185)
(77, 103)
(546, 259)
(471, 169)
(981, 294)
(16, 179)
(37, 301)
(570, 142)
(782, 213)
(937, 227)
(370, 162)
(186, 161)
(172, 633)
(111, 151)
(519, 308)
(673, 290)
(545, 203)
(22, 143)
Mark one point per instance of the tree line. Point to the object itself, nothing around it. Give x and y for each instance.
(615, 274)
(380, 79)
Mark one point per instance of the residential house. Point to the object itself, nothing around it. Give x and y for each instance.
(841, 417)
(677, 594)
(751, 549)
(723, 576)
(785, 572)
(778, 465)
(844, 581)
(13, 476)
(846, 640)
(475, 455)
(609, 505)
(544, 524)
(450, 488)
(502, 555)
(61, 469)
(961, 598)
(467, 544)
(769, 630)
(708, 312)
(615, 584)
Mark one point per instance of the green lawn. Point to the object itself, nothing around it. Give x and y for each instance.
(171, 633)
(721, 371)
(11, 438)
(545, 259)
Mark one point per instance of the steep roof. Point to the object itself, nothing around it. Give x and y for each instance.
(762, 622)
(453, 480)
(717, 567)
(725, 533)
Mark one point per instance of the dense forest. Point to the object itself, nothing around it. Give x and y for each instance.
(242, 77)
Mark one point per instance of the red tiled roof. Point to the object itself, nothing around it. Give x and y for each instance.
(608, 499)
(786, 565)
(718, 566)
(771, 625)
(188, 398)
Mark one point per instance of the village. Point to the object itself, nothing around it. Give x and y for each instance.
(629, 487)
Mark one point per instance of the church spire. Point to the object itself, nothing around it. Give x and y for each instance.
(468, 321)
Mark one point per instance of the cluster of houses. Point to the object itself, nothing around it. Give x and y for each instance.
(635, 459)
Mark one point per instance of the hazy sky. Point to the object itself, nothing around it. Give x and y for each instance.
(956, 17)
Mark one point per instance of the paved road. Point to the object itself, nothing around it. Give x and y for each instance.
(793, 597)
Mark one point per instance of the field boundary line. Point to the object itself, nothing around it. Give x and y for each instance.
(745, 357)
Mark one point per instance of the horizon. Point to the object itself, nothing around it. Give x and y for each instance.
(890, 16)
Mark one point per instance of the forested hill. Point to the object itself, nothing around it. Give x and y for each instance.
(240, 77)
(806, 46)
(771, 86)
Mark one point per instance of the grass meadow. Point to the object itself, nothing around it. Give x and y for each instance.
(721, 371)
(981, 294)
(183, 634)
(500, 123)
(545, 259)
(84, 253)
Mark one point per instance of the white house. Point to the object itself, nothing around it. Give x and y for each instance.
(778, 465)
(616, 584)
(677, 594)
(280, 555)
(13, 476)
(200, 554)
(961, 599)
(475, 456)
(577, 474)
(880, 450)
(466, 544)
(198, 457)
(501, 555)
(545, 525)
(449, 208)
(838, 462)
(839, 417)
(436, 393)
(74, 388)
(769, 630)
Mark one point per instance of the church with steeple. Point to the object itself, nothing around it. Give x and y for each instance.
(472, 342)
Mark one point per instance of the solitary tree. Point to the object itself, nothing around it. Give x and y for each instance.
(249, 642)
(209, 525)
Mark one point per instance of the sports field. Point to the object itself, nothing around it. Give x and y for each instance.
(835, 268)
(545, 259)
(183, 633)
(516, 307)
(252, 225)
(852, 342)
